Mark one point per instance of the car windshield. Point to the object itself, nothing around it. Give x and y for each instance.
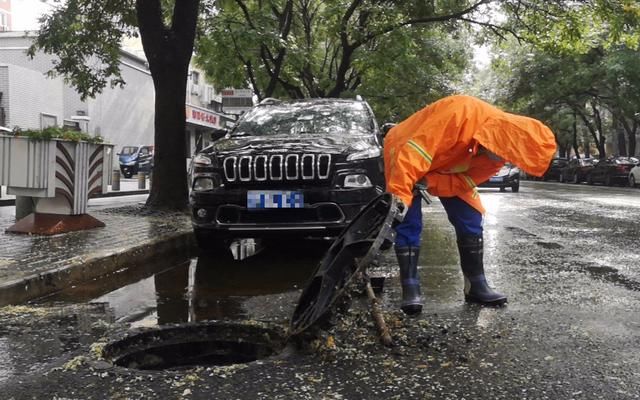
(300, 118)
(128, 150)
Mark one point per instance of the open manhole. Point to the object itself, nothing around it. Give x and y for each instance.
(216, 343)
(224, 343)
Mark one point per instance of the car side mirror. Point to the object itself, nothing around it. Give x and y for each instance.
(384, 129)
(218, 134)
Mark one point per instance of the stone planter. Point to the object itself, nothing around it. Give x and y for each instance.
(60, 175)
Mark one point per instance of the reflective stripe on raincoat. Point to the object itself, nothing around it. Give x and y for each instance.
(441, 143)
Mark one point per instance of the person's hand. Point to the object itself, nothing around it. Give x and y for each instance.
(401, 208)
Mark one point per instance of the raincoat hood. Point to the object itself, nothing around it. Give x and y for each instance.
(524, 141)
(442, 143)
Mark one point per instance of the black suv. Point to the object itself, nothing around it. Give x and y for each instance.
(301, 167)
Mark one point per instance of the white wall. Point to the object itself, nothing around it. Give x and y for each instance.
(30, 94)
(124, 116)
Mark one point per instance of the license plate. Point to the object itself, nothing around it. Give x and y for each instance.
(258, 199)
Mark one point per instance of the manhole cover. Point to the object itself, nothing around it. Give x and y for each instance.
(354, 249)
(204, 344)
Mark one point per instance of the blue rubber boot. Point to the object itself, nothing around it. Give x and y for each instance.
(408, 262)
(476, 289)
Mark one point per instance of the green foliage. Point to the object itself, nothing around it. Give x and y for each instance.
(315, 48)
(86, 37)
(58, 133)
(411, 68)
(575, 27)
(590, 89)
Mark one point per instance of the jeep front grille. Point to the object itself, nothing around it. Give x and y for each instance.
(277, 167)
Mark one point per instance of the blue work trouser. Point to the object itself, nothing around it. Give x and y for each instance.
(465, 219)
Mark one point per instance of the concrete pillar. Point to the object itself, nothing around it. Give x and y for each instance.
(24, 206)
(142, 180)
(115, 180)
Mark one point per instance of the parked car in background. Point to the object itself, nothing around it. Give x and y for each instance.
(634, 176)
(507, 176)
(301, 167)
(576, 170)
(134, 159)
(553, 172)
(611, 171)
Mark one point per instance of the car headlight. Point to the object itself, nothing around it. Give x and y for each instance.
(357, 181)
(205, 183)
(201, 159)
(372, 152)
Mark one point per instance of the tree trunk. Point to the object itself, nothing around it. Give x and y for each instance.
(169, 187)
(574, 136)
(631, 134)
(632, 139)
(620, 136)
(586, 144)
(168, 51)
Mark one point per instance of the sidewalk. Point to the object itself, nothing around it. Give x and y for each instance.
(33, 266)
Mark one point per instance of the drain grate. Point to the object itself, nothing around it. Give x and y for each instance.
(355, 248)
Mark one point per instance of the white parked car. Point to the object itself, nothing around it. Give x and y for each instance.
(634, 176)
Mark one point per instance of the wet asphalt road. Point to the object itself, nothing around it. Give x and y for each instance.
(568, 257)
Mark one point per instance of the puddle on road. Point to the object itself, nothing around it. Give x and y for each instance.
(262, 286)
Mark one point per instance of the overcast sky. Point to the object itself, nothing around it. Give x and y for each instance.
(25, 13)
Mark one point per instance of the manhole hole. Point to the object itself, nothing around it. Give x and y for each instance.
(203, 344)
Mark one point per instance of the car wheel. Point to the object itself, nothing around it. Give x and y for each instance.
(632, 181)
(503, 189)
(515, 188)
(608, 181)
(128, 175)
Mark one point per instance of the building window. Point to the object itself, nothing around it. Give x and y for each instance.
(195, 77)
(47, 120)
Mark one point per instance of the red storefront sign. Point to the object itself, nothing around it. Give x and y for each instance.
(201, 117)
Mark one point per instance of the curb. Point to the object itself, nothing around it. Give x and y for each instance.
(81, 270)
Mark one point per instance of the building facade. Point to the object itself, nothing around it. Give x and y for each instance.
(5, 15)
(29, 99)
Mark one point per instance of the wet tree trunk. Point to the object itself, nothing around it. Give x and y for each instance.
(631, 131)
(168, 51)
(574, 136)
(621, 137)
(595, 129)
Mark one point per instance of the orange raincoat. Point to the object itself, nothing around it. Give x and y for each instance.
(441, 143)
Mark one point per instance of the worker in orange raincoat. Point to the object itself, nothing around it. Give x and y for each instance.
(452, 146)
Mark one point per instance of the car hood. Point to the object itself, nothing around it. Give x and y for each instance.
(127, 158)
(286, 144)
